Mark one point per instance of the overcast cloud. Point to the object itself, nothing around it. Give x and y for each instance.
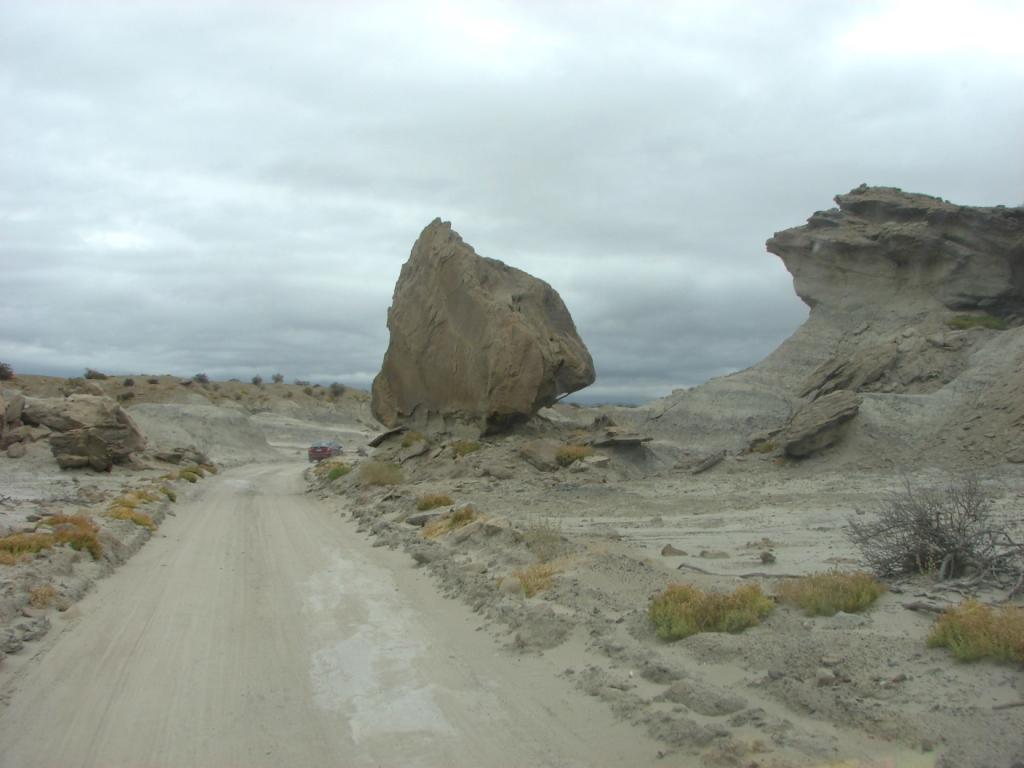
(232, 188)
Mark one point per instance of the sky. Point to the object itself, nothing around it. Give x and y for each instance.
(232, 187)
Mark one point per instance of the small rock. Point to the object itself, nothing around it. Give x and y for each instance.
(831, 661)
(669, 551)
(713, 554)
(767, 557)
(825, 676)
(16, 451)
(511, 585)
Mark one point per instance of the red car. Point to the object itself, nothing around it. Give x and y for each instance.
(325, 450)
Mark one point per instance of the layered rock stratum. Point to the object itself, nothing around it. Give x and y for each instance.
(474, 343)
(916, 304)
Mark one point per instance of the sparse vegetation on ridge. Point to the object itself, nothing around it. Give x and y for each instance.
(537, 577)
(825, 594)
(965, 322)
(379, 473)
(682, 610)
(451, 521)
(6, 372)
(544, 539)
(464, 447)
(429, 501)
(410, 439)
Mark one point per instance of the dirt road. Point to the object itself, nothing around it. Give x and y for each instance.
(257, 629)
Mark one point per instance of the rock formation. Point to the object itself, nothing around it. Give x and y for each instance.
(819, 424)
(907, 294)
(88, 430)
(473, 342)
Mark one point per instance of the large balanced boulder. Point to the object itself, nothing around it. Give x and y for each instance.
(474, 342)
(820, 424)
(89, 430)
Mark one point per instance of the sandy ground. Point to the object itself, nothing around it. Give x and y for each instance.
(256, 629)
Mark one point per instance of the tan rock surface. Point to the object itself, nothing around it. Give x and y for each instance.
(474, 342)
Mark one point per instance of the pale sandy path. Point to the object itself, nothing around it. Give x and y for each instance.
(257, 629)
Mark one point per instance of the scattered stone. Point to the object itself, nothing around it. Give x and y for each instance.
(541, 454)
(422, 518)
(473, 342)
(702, 700)
(714, 554)
(597, 461)
(16, 451)
(707, 463)
(767, 557)
(669, 551)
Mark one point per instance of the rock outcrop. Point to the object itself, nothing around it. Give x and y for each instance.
(88, 430)
(819, 424)
(890, 251)
(474, 343)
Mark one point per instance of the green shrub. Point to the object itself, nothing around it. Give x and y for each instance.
(973, 631)
(964, 322)
(825, 594)
(567, 454)
(433, 501)
(201, 378)
(257, 380)
(338, 470)
(464, 447)
(379, 473)
(337, 389)
(94, 374)
(683, 610)
(6, 372)
(77, 531)
(277, 378)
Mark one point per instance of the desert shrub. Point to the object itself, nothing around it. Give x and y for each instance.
(257, 380)
(567, 454)
(201, 378)
(338, 470)
(277, 378)
(124, 397)
(825, 594)
(42, 596)
(765, 446)
(433, 501)
(308, 391)
(544, 539)
(379, 473)
(451, 521)
(18, 544)
(409, 439)
(940, 531)
(153, 380)
(188, 475)
(288, 394)
(134, 516)
(6, 372)
(337, 389)
(973, 631)
(169, 493)
(683, 610)
(91, 373)
(128, 383)
(964, 322)
(300, 383)
(77, 531)
(464, 447)
(537, 577)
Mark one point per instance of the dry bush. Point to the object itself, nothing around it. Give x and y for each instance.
(544, 539)
(433, 501)
(464, 447)
(169, 493)
(946, 532)
(6, 372)
(77, 531)
(42, 596)
(449, 522)
(90, 373)
(188, 475)
(410, 439)
(973, 631)
(379, 473)
(17, 544)
(567, 454)
(537, 577)
(965, 322)
(134, 516)
(825, 594)
(683, 610)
